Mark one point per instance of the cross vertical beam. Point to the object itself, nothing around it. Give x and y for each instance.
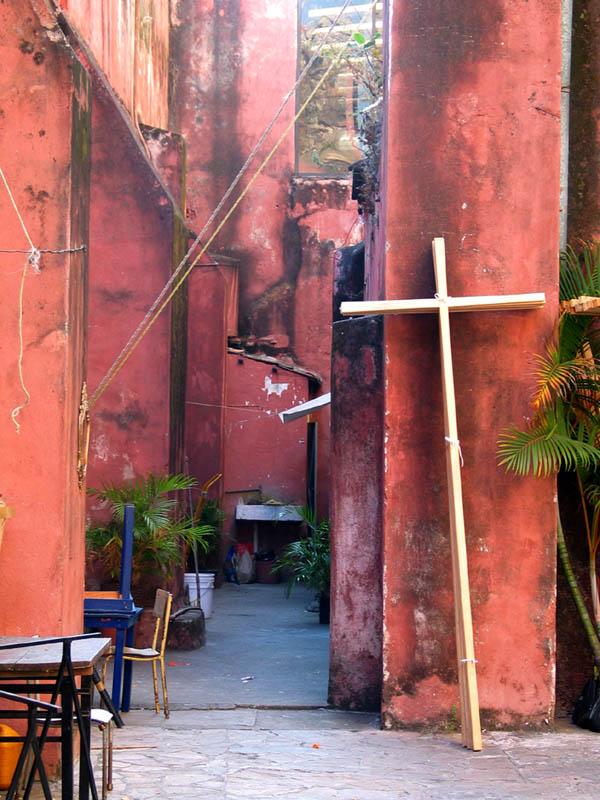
(467, 678)
(443, 304)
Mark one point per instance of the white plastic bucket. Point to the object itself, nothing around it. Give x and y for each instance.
(207, 585)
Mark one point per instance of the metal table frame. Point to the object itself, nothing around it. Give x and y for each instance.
(58, 676)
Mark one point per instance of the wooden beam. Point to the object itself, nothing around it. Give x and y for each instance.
(483, 303)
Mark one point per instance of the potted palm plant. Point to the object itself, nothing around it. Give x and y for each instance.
(161, 532)
(308, 561)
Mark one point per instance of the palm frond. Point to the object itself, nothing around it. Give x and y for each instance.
(160, 533)
(542, 450)
(555, 378)
(580, 272)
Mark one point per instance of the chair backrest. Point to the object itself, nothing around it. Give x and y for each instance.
(162, 612)
(126, 552)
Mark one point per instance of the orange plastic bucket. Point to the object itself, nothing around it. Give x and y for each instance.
(9, 755)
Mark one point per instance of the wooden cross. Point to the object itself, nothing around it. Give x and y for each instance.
(443, 304)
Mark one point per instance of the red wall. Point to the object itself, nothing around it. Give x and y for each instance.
(44, 150)
(262, 454)
(472, 153)
(229, 83)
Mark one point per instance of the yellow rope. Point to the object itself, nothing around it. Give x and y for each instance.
(125, 357)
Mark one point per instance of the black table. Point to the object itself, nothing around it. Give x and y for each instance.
(56, 663)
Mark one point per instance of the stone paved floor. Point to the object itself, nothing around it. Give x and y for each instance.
(248, 754)
(218, 745)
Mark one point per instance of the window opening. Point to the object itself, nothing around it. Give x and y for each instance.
(328, 136)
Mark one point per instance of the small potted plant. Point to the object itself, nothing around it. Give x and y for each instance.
(202, 564)
(308, 561)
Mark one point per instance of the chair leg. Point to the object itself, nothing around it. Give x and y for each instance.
(109, 784)
(155, 678)
(164, 687)
(104, 721)
(105, 757)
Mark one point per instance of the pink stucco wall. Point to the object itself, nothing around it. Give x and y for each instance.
(473, 92)
(44, 151)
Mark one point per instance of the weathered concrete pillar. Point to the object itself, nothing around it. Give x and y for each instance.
(356, 514)
(44, 153)
(472, 154)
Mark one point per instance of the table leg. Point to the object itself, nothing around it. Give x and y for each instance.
(128, 672)
(66, 744)
(86, 704)
(118, 668)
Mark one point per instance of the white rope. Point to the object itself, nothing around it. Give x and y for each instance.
(33, 259)
(14, 205)
(108, 376)
(456, 443)
(469, 660)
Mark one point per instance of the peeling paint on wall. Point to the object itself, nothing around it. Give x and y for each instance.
(274, 388)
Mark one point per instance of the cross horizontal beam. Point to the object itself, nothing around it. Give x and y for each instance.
(504, 302)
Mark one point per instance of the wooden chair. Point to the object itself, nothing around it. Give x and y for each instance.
(156, 653)
(104, 720)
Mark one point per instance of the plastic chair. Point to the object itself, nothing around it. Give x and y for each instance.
(155, 653)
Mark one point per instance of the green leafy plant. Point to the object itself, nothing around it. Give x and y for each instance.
(161, 532)
(564, 431)
(308, 560)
